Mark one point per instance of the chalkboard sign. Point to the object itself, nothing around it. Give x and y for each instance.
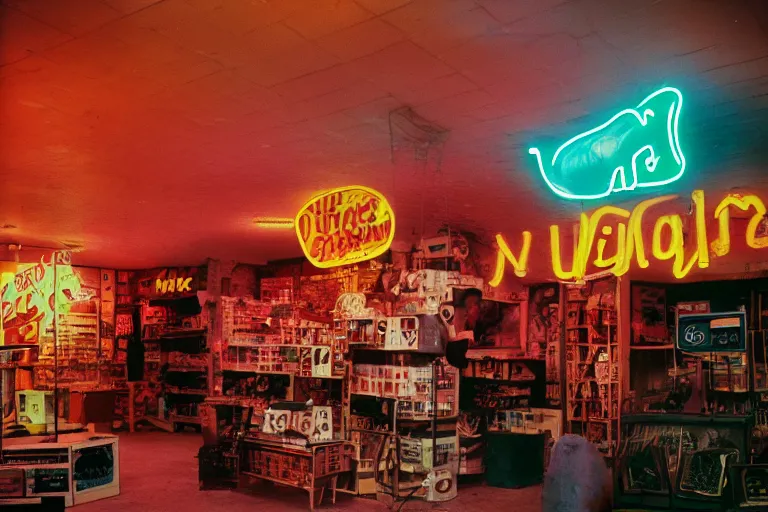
(712, 332)
(94, 467)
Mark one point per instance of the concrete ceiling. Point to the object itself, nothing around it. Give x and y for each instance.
(152, 132)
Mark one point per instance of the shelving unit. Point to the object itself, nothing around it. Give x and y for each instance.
(275, 351)
(177, 358)
(421, 393)
(592, 364)
(78, 347)
(758, 340)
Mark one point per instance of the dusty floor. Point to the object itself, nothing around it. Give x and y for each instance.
(158, 472)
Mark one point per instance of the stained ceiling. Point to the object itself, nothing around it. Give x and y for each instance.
(152, 132)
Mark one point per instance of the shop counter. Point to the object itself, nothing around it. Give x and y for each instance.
(312, 468)
(79, 468)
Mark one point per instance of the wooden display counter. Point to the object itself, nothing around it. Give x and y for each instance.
(313, 468)
(79, 468)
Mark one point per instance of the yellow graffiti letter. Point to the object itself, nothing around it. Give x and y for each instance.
(722, 245)
(594, 221)
(580, 252)
(676, 248)
(520, 265)
(702, 245)
(635, 235)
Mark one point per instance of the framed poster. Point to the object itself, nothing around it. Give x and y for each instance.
(649, 319)
(543, 319)
(498, 325)
(321, 361)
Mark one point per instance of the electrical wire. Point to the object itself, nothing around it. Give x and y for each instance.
(410, 495)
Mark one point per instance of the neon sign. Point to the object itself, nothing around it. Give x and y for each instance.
(345, 225)
(637, 147)
(668, 242)
(171, 281)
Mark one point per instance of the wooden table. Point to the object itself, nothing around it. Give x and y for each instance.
(313, 468)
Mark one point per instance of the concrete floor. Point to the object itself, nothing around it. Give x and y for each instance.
(158, 472)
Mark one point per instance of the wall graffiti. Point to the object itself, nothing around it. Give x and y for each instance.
(27, 301)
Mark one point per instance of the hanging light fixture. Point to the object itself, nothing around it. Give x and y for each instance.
(273, 223)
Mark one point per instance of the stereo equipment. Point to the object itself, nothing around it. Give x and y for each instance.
(441, 484)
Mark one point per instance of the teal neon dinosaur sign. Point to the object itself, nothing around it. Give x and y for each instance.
(637, 147)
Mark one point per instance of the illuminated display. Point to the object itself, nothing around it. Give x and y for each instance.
(28, 302)
(168, 283)
(637, 147)
(345, 225)
(669, 240)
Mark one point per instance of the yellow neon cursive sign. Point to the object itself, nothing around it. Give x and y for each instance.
(668, 242)
(519, 263)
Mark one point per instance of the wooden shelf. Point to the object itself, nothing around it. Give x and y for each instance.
(273, 345)
(403, 419)
(594, 420)
(289, 483)
(245, 369)
(177, 418)
(188, 333)
(374, 395)
(652, 347)
(589, 337)
(331, 377)
(192, 392)
(190, 369)
(159, 423)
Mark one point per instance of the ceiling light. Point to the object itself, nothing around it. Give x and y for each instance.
(273, 223)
